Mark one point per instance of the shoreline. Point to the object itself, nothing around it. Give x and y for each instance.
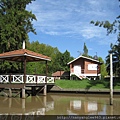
(57, 89)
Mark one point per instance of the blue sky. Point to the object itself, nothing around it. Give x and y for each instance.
(65, 24)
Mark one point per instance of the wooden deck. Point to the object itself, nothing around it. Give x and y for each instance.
(37, 83)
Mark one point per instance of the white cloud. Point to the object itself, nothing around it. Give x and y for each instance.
(90, 32)
(71, 17)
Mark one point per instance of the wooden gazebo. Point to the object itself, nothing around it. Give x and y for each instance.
(23, 80)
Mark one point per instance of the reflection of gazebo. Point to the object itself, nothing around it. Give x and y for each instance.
(23, 56)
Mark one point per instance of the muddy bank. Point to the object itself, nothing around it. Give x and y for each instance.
(57, 89)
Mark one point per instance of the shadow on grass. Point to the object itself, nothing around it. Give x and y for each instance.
(92, 83)
(104, 82)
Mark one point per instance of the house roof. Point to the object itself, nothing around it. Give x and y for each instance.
(57, 73)
(85, 58)
(18, 55)
(61, 73)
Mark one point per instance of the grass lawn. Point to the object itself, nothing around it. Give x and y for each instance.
(86, 84)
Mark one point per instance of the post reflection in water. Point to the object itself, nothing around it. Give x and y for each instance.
(61, 104)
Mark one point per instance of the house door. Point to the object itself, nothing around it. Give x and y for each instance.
(77, 69)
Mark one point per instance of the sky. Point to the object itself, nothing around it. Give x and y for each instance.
(65, 24)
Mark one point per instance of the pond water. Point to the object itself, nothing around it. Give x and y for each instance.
(60, 104)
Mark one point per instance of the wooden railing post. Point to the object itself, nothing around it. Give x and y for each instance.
(24, 69)
(45, 86)
(10, 78)
(36, 79)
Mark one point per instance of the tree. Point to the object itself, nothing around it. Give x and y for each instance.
(65, 59)
(111, 28)
(15, 23)
(102, 68)
(115, 50)
(85, 50)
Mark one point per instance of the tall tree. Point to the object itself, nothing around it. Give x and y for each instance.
(113, 27)
(65, 59)
(15, 23)
(85, 50)
(103, 70)
(115, 50)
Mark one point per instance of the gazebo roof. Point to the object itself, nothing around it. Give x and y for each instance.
(18, 56)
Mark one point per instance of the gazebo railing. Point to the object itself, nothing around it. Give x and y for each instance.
(29, 79)
(16, 79)
(50, 79)
(4, 78)
(41, 79)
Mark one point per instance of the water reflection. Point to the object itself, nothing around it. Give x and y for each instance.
(61, 104)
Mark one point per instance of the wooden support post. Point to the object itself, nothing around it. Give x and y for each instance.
(24, 69)
(45, 100)
(45, 86)
(111, 80)
(23, 93)
(45, 90)
(23, 103)
(10, 102)
(33, 91)
(111, 110)
(10, 92)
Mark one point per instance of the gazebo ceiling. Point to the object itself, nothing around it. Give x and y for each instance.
(19, 55)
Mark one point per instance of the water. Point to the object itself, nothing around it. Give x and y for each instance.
(60, 104)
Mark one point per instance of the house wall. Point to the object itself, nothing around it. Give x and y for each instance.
(87, 62)
(77, 62)
(84, 66)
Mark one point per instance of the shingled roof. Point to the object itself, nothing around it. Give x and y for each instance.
(18, 55)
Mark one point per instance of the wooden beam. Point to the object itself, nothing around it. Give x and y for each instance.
(15, 85)
(24, 69)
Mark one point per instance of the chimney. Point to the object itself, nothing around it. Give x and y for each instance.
(23, 44)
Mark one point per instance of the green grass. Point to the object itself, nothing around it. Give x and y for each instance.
(86, 84)
(71, 84)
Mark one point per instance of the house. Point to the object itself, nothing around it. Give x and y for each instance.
(61, 75)
(85, 67)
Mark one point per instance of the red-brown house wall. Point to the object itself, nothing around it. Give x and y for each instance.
(84, 66)
(77, 62)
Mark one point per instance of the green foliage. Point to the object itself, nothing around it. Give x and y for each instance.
(15, 23)
(115, 49)
(103, 68)
(58, 60)
(85, 50)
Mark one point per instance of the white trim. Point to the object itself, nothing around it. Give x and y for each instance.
(86, 75)
(36, 57)
(85, 58)
(10, 56)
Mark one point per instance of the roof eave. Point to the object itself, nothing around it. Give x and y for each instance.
(85, 58)
(19, 55)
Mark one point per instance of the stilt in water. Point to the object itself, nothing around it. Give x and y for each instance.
(10, 92)
(45, 90)
(22, 93)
